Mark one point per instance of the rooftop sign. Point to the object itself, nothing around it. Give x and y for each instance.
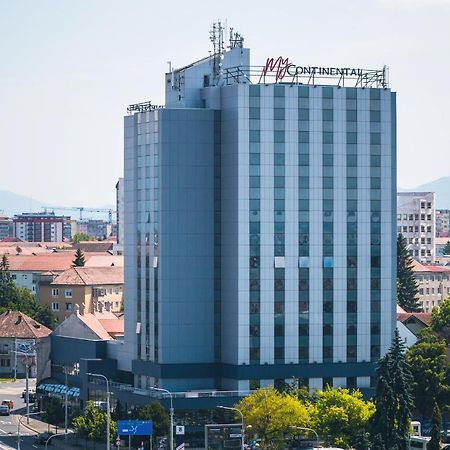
(142, 107)
(282, 70)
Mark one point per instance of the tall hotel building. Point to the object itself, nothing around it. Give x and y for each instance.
(260, 226)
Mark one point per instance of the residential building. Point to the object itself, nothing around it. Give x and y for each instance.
(416, 221)
(442, 222)
(434, 284)
(39, 227)
(19, 331)
(6, 227)
(441, 242)
(260, 227)
(103, 325)
(93, 227)
(27, 268)
(87, 288)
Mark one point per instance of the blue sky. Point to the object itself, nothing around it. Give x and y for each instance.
(69, 69)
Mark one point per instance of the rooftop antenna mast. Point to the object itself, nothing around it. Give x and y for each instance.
(216, 36)
(236, 39)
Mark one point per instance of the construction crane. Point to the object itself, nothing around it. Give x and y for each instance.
(80, 209)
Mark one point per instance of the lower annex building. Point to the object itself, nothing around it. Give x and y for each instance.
(260, 226)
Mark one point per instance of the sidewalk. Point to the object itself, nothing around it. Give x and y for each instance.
(37, 426)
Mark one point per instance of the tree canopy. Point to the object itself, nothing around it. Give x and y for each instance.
(79, 237)
(92, 423)
(446, 249)
(79, 260)
(393, 400)
(21, 299)
(407, 286)
(429, 368)
(273, 415)
(339, 416)
(155, 412)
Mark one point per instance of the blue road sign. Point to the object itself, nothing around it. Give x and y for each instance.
(134, 427)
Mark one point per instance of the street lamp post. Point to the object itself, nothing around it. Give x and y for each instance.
(20, 423)
(242, 422)
(107, 406)
(171, 412)
(53, 436)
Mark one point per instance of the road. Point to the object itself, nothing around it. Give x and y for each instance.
(12, 390)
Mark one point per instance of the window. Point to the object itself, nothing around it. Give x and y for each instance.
(55, 292)
(68, 306)
(55, 306)
(68, 293)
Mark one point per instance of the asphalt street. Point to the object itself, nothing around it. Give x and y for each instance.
(12, 390)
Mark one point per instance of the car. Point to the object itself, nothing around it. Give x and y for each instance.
(42, 438)
(31, 397)
(4, 410)
(8, 403)
(30, 392)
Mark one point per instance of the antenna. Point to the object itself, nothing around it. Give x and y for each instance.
(216, 36)
(236, 39)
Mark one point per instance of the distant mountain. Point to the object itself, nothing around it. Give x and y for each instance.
(440, 186)
(11, 204)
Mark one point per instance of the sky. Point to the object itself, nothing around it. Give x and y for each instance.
(68, 70)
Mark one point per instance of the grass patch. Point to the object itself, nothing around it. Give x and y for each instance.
(6, 379)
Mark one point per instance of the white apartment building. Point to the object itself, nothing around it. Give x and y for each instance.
(416, 221)
(434, 285)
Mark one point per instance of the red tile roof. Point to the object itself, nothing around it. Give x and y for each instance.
(15, 324)
(425, 318)
(89, 276)
(418, 267)
(59, 261)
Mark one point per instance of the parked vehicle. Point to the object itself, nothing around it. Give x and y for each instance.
(42, 438)
(418, 442)
(30, 392)
(4, 410)
(8, 403)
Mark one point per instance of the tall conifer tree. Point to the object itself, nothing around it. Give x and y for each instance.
(435, 442)
(393, 400)
(407, 287)
(79, 259)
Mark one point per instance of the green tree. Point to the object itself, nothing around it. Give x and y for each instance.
(428, 362)
(43, 314)
(54, 411)
(435, 442)
(79, 237)
(7, 285)
(92, 424)
(393, 399)
(21, 299)
(446, 250)
(273, 416)
(440, 319)
(407, 286)
(79, 260)
(161, 421)
(339, 416)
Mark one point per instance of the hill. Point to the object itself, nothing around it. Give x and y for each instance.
(441, 187)
(11, 204)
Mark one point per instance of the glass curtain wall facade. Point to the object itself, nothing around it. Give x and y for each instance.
(261, 237)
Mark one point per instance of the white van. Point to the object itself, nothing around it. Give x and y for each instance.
(418, 442)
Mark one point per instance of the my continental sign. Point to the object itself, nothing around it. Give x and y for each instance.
(280, 67)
